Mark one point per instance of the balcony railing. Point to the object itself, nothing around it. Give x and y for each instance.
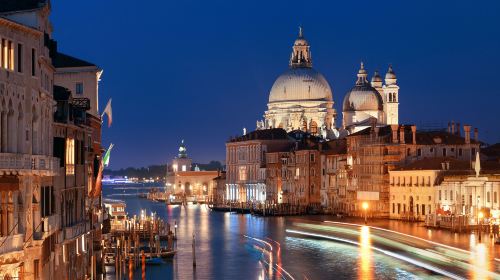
(11, 243)
(28, 163)
(76, 230)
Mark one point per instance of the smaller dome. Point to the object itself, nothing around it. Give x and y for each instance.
(376, 77)
(363, 98)
(390, 75)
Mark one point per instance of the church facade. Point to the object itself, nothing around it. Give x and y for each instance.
(302, 99)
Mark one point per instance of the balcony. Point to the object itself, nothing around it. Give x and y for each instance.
(22, 164)
(12, 243)
(76, 230)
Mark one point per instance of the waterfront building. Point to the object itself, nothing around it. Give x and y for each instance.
(48, 146)
(27, 168)
(377, 150)
(245, 164)
(293, 174)
(186, 182)
(117, 215)
(337, 195)
(218, 194)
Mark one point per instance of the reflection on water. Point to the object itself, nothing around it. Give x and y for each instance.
(223, 251)
(365, 254)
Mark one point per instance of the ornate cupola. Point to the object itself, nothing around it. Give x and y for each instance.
(301, 54)
(362, 74)
(182, 150)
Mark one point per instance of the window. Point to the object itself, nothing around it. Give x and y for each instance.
(444, 152)
(33, 62)
(488, 196)
(19, 58)
(184, 168)
(79, 88)
(10, 55)
(3, 50)
(399, 208)
(430, 198)
(432, 150)
(70, 156)
(312, 157)
(419, 152)
(243, 173)
(451, 195)
(36, 269)
(473, 152)
(393, 208)
(297, 172)
(439, 194)
(495, 197)
(445, 195)
(460, 152)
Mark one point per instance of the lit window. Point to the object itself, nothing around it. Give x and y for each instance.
(243, 173)
(184, 168)
(70, 156)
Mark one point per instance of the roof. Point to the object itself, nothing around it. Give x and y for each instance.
(335, 147)
(262, 134)
(454, 165)
(61, 60)
(7, 6)
(423, 137)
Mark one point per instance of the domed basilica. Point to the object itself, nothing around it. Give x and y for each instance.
(302, 99)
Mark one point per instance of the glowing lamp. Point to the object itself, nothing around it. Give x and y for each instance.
(365, 205)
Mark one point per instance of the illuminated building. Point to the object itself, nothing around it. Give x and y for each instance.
(184, 181)
(47, 154)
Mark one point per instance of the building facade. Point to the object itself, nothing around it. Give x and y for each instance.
(48, 228)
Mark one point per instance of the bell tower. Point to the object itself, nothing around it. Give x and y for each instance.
(391, 97)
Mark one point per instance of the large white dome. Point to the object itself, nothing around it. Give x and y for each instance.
(300, 84)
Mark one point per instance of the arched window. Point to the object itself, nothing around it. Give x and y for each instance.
(390, 97)
(314, 127)
(34, 131)
(11, 126)
(4, 130)
(20, 129)
(394, 99)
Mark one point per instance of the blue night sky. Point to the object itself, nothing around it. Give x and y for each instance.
(202, 70)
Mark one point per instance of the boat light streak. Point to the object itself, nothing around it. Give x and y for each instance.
(394, 255)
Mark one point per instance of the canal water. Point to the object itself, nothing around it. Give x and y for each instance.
(235, 246)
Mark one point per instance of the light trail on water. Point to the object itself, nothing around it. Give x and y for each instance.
(394, 255)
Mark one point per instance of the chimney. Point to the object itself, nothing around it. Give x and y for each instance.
(452, 127)
(394, 129)
(402, 135)
(467, 134)
(458, 129)
(414, 134)
(476, 138)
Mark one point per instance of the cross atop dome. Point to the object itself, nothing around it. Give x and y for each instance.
(301, 55)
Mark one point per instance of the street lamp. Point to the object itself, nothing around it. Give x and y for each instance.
(480, 216)
(365, 208)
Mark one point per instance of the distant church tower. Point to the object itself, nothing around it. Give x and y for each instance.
(391, 97)
(182, 162)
